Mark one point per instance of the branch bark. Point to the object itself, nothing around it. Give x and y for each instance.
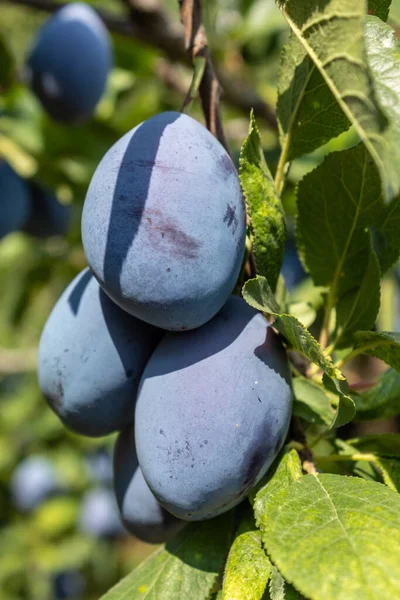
(196, 45)
(150, 25)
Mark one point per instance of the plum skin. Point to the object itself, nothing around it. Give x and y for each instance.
(15, 202)
(140, 511)
(69, 63)
(212, 412)
(163, 224)
(91, 357)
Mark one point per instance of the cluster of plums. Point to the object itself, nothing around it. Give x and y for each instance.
(148, 340)
(26, 206)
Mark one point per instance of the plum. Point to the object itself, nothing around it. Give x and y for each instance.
(141, 513)
(48, 216)
(99, 514)
(15, 202)
(212, 412)
(34, 480)
(69, 63)
(91, 357)
(163, 224)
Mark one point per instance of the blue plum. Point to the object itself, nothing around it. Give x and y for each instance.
(91, 357)
(48, 216)
(163, 224)
(34, 480)
(69, 63)
(99, 514)
(212, 412)
(15, 202)
(141, 513)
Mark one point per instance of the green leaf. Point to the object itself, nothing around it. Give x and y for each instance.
(279, 589)
(248, 568)
(382, 401)
(346, 409)
(284, 472)
(358, 308)
(384, 345)
(303, 311)
(276, 585)
(390, 468)
(311, 402)
(379, 8)
(6, 65)
(332, 35)
(385, 444)
(384, 62)
(264, 207)
(337, 203)
(258, 294)
(186, 568)
(344, 546)
(308, 114)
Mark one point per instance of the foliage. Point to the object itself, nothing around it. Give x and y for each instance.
(325, 521)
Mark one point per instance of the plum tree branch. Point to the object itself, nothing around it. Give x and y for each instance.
(196, 45)
(14, 361)
(149, 24)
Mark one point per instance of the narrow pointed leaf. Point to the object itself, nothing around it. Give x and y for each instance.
(258, 294)
(346, 408)
(248, 568)
(264, 207)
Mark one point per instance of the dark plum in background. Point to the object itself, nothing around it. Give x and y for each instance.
(212, 412)
(91, 357)
(15, 202)
(69, 63)
(163, 224)
(48, 216)
(141, 513)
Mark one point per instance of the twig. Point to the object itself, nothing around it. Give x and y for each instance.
(150, 24)
(17, 361)
(306, 456)
(196, 45)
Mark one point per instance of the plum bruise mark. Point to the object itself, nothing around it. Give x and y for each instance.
(226, 165)
(164, 235)
(230, 217)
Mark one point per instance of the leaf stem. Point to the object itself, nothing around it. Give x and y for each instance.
(346, 458)
(280, 169)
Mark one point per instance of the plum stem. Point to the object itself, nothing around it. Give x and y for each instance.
(204, 78)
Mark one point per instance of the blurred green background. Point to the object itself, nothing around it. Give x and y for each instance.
(50, 547)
